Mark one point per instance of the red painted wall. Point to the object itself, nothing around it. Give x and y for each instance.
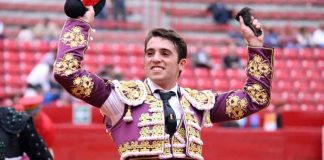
(299, 139)
(91, 142)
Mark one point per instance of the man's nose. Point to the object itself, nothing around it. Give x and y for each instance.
(156, 57)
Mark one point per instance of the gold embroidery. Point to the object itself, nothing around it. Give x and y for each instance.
(155, 104)
(195, 148)
(74, 37)
(131, 91)
(82, 86)
(257, 93)
(202, 100)
(193, 132)
(138, 147)
(235, 107)
(185, 103)
(67, 65)
(178, 150)
(182, 132)
(258, 67)
(207, 122)
(167, 150)
(191, 118)
(145, 118)
(156, 131)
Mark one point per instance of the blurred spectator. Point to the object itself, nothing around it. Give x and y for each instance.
(236, 35)
(18, 135)
(304, 37)
(288, 37)
(201, 59)
(25, 34)
(2, 36)
(221, 14)
(232, 59)
(318, 36)
(109, 72)
(119, 9)
(271, 38)
(38, 80)
(32, 105)
(46, 30)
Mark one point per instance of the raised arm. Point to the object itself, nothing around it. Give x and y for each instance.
(256, 93)
(68, 71)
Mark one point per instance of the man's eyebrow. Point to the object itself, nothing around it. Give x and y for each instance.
(149, 49)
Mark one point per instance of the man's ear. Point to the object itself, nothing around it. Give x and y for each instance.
(182, 63)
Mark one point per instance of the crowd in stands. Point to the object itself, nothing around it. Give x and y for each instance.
(45, 30)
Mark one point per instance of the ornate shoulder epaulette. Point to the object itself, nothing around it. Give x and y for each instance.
(11, 120)
(132, 93)
(201, 100)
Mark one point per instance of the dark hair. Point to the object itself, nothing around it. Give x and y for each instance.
(172, 36)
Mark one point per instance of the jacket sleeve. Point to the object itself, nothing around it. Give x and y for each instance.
(68, 71)
(256, 93)
(32, 143)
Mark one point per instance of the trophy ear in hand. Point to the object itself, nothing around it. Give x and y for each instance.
(246, 15)
(76, 8)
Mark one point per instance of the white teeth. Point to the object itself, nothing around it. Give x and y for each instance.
(157, 68)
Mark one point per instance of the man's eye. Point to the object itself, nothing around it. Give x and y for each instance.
(149, 53)
(165, 53)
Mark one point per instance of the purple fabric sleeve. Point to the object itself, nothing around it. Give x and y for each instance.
(256, 93)
(68, 71)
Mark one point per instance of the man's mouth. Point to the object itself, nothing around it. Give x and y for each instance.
(157, 68)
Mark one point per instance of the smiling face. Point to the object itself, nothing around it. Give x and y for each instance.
(161, 62)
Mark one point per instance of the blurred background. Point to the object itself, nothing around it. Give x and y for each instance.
(289, 129)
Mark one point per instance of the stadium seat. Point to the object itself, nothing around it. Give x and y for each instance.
(201, 72)
(11, 56)
(102, 48)
(221, 85)
(41, 46)
(187, 82)
(204, 83)
(10, 45)
(290, 53)
(27, 46)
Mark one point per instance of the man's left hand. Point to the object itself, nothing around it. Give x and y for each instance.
(248, 34)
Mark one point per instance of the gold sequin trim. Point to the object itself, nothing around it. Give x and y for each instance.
(257, 93)
(195, 149)
(235, 107)
(156, 131)
(143, 147)
(131, 92)
(82, 86)
(74, 37)
(182, 136)
(154, 104)
(202, 100)
(67, 65)
(258, 67)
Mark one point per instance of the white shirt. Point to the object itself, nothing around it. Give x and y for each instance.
(113, 107)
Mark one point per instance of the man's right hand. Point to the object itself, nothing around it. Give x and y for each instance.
(89, 15)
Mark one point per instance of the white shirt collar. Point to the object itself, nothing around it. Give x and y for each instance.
(154, 87)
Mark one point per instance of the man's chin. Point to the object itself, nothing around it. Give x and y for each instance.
(156, 78)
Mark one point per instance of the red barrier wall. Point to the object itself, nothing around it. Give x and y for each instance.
(300, 139)
(91, 142)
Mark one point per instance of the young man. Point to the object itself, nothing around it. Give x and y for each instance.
(160, 124)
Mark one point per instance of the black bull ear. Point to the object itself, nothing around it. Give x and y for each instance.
(75, 8)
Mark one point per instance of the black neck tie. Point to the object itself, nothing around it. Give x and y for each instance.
(169, 114)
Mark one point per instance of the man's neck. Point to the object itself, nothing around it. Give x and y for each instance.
(166, 87)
